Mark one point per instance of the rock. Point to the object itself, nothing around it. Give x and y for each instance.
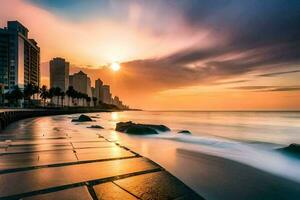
(95, 126)
(185, 132)
(123, 126)
(161, 128)
(292, 149)
(82, 118)
(140, 129)
(95, 117)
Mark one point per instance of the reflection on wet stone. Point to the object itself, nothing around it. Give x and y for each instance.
(44, 163)
(157, 185)
(38, 179)
(77, 193)
(110, 191)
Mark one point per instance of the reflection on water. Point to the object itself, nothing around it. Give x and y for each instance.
(114, 116)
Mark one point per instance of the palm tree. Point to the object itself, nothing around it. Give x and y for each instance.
(36, 90)
(28, 92)
(70, 94)
(76, 96)
(84, 98)
(94, 100)
(56, 93)
(16, 94)
(88, 100)
(62, 96)
(44, 94)
(81, 97)
(51, 94)
(8, 97)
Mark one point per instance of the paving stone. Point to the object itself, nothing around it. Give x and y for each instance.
(110, 191)
(52, 157)
(53, 141)
(157, 185)
(93, 144)
(17, 161)
(78, 193)
(2, 150)
(38, 179)
(35, 148)
(81, 140)
(102, 153)
(31, 137)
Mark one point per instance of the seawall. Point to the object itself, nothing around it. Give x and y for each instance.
(8, 116)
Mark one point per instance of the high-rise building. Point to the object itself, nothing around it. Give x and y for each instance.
(117, 102)
(59, 73)
(106, 94)
(98, 90)
(93, 92)
(81, 83)
(88, 87)
(19, 57)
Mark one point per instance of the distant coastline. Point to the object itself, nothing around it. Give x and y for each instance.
(222, 110)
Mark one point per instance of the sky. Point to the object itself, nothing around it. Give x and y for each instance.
(174, 54)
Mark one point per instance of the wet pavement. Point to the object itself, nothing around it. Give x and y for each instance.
(77, 166)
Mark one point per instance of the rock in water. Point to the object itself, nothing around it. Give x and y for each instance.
(293, 149)
(140, 129)
(123, 126)
(185, 132)
(82, 118)
(161, 128)
(95, 126)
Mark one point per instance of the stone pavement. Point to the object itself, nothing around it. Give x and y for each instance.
(73, 167)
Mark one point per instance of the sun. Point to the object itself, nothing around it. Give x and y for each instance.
(115, 66)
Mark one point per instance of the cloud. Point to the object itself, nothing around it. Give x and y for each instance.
(195, 66)
(169, 44)
(263, 88)
(230, 82)
(279, 73)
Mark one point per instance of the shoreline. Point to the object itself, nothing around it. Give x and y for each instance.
(8, 116)
(226, 179)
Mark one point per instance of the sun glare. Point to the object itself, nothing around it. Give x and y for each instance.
(115, 66)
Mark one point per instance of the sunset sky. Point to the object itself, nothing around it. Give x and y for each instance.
(174, 54)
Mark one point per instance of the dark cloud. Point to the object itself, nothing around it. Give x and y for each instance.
(230, 82)
(252, 22)
(174, 70)
(256, 87)
(279, 73)
(285, 89)
(263, 88)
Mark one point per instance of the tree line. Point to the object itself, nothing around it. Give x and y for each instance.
(31, 91)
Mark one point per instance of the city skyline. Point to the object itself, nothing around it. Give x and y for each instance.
(20, 76)
(60, 77)
(213, 62)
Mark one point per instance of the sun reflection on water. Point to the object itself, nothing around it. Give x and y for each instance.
(114, 116)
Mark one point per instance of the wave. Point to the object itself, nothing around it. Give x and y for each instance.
(260, 155)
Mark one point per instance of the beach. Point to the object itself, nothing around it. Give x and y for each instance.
(239, 165)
